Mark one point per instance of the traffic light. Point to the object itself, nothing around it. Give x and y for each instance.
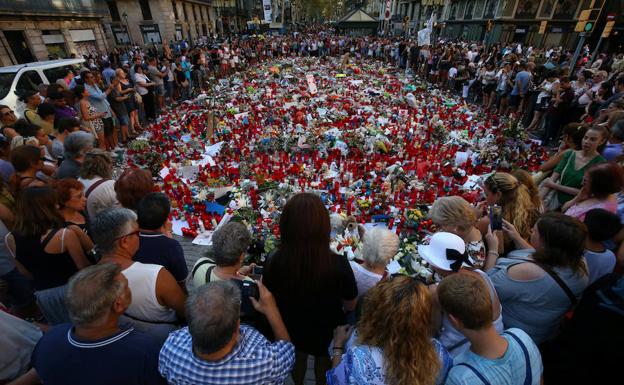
(587, 20)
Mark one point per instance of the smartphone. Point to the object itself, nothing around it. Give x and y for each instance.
(256, 272)
(496, 217)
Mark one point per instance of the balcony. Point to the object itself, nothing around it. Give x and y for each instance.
(71, 8)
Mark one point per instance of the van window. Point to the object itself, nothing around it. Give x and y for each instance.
(29, 80)
(56, 73)
(6, 80)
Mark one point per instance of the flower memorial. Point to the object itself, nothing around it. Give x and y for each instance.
(377, 146)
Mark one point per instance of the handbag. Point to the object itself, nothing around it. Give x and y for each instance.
(549, 196)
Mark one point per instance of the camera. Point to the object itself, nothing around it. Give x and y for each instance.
(496, 217)
(247, 289)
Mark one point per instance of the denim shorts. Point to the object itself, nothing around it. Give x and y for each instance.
(159, 90)
(123, 120)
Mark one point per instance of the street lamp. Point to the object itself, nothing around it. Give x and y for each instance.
(125, 16)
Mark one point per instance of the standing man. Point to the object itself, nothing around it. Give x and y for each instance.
(520, 88)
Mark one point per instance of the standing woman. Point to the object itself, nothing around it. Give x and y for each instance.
(309, 282)
(89, 116)
(144, 88)
(117, 101)
(131, 104)
(567, 178)
(45, 251)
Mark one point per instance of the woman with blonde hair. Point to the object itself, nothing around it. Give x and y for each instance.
(527, 179)
(394, 350)
(453, 214)
(518, 208)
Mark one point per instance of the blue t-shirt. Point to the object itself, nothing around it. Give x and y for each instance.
(523, 77)
(128, 357)
(510, 369)
(158, 249)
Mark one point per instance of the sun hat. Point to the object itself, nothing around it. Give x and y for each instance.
(446, 251)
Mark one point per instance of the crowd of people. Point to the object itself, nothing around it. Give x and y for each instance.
(95, 289)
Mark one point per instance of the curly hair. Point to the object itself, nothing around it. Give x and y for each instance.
(405, 334)
(518, 207)
(527, 179)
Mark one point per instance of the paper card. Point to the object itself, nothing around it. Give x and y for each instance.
(190, 172)
(214, 149)
(371, 225)
(311, 84)
(164, 172)
(177, 225)
(186, 138)
(461, 157)
(204, 239)
(241, 115)
(224, 219)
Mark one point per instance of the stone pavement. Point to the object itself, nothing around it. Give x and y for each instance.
(192, 253)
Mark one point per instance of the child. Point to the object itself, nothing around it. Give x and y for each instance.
(602, 225)
(510, 358)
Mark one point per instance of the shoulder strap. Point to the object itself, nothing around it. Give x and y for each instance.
(461, 342)
(528, 379)
(209, 272)
(49, 237)
(476, 373)
(94, 186)
(557, 279)
(200, 264)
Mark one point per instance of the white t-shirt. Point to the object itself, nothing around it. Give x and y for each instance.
(143, 79)
(101, 198)
(599, 264)
(452, 73)
(364, 279)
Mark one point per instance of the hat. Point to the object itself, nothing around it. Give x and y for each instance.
(446, 251)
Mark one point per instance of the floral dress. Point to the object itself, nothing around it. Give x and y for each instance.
(96, 125)
(363, 364)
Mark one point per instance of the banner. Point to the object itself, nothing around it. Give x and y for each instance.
(424, 37)
(311, 84)
(268, 12)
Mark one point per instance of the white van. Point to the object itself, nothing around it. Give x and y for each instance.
(29, 76)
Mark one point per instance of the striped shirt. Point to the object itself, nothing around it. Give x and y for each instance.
(254, 360)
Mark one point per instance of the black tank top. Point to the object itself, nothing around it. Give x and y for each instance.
(48, 270)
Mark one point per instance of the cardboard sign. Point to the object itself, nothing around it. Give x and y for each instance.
(311, 84)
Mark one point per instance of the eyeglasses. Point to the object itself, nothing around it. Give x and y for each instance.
(137, 232)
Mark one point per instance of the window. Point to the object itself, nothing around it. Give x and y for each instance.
(145, 9)
(53, 74)
(29, 80)
(184, 9)
(195, 12)
(175, 9)
(114, 12)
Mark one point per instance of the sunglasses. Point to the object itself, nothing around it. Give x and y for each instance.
(137, 232)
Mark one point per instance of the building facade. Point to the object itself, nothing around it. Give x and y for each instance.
(145, 22)
(37, 30)
(518, 20)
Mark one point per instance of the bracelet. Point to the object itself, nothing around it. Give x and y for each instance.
(493, 252)
(338, 348)
(336, 354)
